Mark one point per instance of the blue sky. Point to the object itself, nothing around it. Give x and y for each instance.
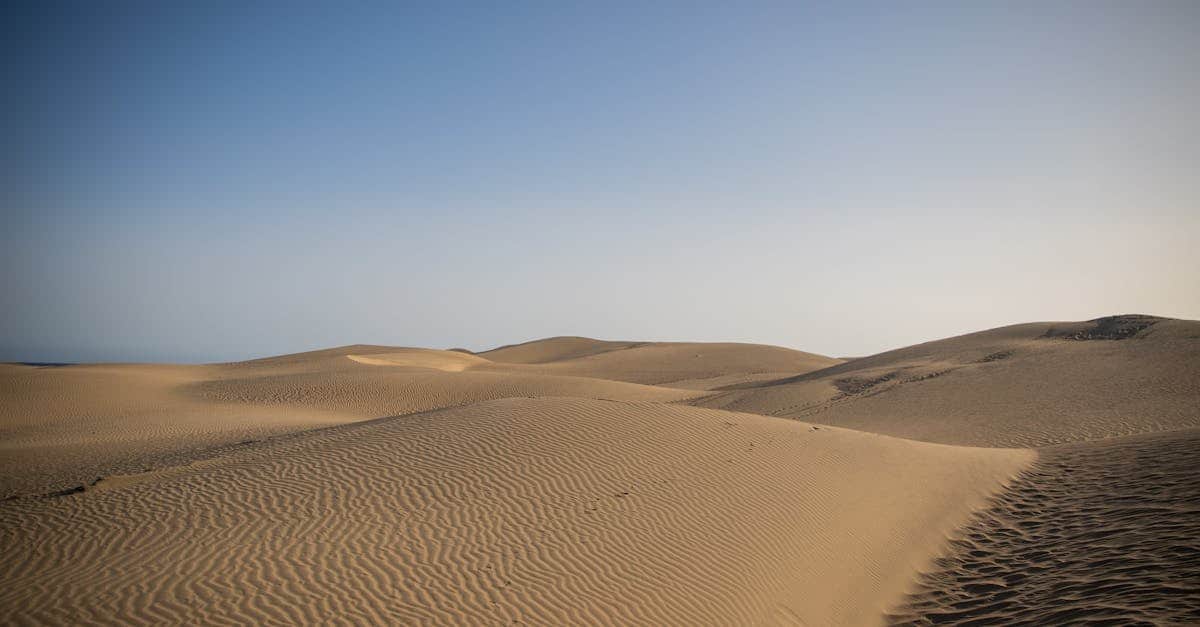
(218, 182)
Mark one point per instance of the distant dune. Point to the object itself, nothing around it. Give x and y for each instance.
(1025, 385)
(673, 364)
(579, 481)
(554, 349)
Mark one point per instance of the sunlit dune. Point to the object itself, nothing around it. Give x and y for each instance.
(448, 361)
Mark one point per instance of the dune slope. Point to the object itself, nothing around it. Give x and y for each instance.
(531, 510)
(1027, 385)
(64, 426)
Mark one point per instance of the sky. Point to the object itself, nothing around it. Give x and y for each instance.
(214, 181)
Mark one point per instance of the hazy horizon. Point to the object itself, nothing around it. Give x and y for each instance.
(482, 349)
(217, 183)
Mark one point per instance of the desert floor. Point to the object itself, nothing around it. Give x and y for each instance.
(1043, 472)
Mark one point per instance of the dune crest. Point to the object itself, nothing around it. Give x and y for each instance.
(446, 361)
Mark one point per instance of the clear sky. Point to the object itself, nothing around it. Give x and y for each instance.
(221, 182)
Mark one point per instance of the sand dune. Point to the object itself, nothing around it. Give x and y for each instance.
(573, 481)
(680, 364)
(362, 393)
(543, 511)
(1026, 385)
(64, 426)
(553, 349)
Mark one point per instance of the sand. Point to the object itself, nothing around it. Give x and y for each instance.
(1027, 385)
(578, 481)
(1103, 532)
(671, 364)
(64, 426)
(545, 511)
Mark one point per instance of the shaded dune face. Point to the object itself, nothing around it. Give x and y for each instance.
(1103, 532)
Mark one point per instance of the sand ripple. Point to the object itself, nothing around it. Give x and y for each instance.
(516, 511)
(1106, 532)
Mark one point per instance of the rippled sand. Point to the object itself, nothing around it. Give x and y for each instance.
(1105, 532)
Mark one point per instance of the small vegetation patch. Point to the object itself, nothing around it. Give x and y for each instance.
(858, 385)
(996, 356)
(928, 375)
(1115, 328)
